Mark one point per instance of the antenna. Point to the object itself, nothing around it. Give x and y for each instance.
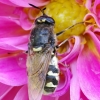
(42, 10)
(59, 33)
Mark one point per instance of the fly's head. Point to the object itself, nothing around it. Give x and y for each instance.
(45, 20)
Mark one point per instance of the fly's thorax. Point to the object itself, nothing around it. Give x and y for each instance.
(52, 77)
(42, 37)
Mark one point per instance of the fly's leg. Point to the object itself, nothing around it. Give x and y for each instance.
(66, 40)
(59, 33)
(57, 46)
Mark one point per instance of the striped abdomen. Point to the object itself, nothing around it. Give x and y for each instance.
(52, 77)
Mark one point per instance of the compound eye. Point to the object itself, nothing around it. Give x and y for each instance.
(41, 20)
(44, 20)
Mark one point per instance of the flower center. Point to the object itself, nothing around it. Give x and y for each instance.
(65, 14)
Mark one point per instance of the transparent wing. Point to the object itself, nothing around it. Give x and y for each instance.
(37, 66)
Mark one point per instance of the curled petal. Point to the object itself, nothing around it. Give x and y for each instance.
(74, 51)
(96, 8)
(88, 4)
(22, 94)
(88, 67)
(10, 27)
(97, 31)
(95, 39)
(13, 70)
(24, 21)
(90, 16)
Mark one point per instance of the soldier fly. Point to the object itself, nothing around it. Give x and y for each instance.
(42, 63)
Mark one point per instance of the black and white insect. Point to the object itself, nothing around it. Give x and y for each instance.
(42, 63)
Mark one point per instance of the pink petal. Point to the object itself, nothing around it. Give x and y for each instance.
(96, 8)
(7, 2)
(74, 51)
(97, 31)
(88, 67)
(11, 94)
(23, 18)
(93, 6)
(39, 2)
(47, 97)
(13, 70)
(10, 27)
(94, 37)
(14, 43)
(25, 22)
(6, 53)
(4, 89)
(74, 84)
(7, 10)
(22, 94)
(88, 4)
(91, 15)
(83, 97)
(66, 96)
(25, 3)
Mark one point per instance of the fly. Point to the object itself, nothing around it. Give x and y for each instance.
(42, 63)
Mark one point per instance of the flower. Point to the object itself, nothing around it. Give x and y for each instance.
(79, 57)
